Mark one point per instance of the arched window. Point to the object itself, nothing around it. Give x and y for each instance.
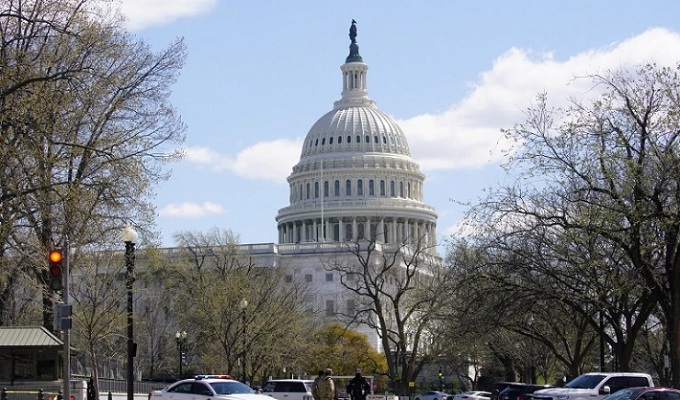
(408, 189)
(368, 139)
(330, 140)
(360, 234)
(371, 188)
(323, 141)
(358, 139)
(316, 190)
(316, 142)
(307, 190)
(348, 187)
(348, 232)
(401, 189)
(384, 140)
(382, 188)
(349, 139)
(360, 187)
(375, 139)
(325, 189)
(339, 139)
(391, 188)
(336, 188)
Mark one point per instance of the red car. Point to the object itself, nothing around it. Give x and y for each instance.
(645, 393)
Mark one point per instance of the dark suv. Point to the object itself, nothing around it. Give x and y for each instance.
(519, 391)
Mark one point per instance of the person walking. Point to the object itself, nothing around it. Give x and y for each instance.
(315, 386)
(358, 388)
(326, 387)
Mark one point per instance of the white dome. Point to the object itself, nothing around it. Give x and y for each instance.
(355, 179)
(355, 129)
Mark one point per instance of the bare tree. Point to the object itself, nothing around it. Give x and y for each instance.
(397, 289)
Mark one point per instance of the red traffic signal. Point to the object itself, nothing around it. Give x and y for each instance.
(56, 259)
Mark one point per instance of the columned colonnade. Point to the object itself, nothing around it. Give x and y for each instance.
(384, 230)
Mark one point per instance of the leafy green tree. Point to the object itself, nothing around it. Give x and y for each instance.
(85, 127)
(596, 213)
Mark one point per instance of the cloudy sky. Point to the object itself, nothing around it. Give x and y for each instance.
(451, 73)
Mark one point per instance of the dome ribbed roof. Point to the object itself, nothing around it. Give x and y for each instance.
(356, 128)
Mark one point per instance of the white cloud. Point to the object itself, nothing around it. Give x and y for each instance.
(191, 210)
(141, 14)
(467, 135)
(270, 161)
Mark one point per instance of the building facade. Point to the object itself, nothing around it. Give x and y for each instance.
(355, 183)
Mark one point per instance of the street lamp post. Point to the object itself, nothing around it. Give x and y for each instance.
(244, 306)
(129, 238)
(181, 337)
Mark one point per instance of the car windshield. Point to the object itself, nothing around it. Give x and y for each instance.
(624, 394)
(585, 382)
(231, 387)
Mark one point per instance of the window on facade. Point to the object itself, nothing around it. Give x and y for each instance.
(360, 187)
(349, 139)
(308, 277)
(375, 139)
(384, 140)
(401, 189)
(336, 188)
(329, 277)
(308, 190)
(371, 188)
(408, 189)
(348, 187)
(348, 232)
(361, 234)
(351, 307)
(382, 187)
(392, 189)
(316, 190)
(316, 142)
(330, 307)
(368, 139)
(358, 139)
(339, 139)
(325, 188)
(323, 141)
(330, 140)
(336, 232)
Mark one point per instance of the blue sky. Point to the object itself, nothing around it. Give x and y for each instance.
(451, 73)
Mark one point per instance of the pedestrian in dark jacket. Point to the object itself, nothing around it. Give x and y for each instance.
(358, 388)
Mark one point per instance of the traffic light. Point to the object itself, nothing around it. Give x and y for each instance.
(56, 259)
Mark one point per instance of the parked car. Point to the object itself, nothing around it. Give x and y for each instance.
(206, 387)
(645, 393)
(520, 391)
(594, 386)
(472, 395)
(289, 389)
(498, 387)
(432, 395)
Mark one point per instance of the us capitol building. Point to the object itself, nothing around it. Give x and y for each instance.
(355, 183)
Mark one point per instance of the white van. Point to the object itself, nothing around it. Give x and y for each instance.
(289, 389)
(594, 386)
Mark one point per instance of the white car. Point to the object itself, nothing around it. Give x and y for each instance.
(473, 395)
(289, 389)
(205, 387)
(432, 395)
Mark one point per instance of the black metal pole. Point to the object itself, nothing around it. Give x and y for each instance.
(180, 345)
(245, 344)
(129, 282)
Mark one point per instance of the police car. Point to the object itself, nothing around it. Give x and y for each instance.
(204, 387)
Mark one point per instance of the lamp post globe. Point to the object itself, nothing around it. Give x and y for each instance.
(129, 237)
